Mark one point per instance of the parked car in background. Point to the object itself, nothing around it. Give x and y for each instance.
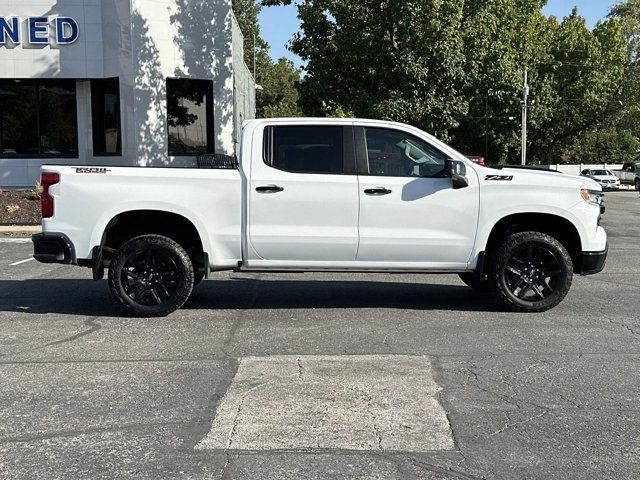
(630, 174)
(477, 160)
(606, 179)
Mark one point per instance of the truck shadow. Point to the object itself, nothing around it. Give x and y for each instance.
(85, 297)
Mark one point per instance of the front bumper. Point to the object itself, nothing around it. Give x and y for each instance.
(53, 248)
(594, 262)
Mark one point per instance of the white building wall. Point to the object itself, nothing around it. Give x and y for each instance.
(244, 91)
(180, 39)
(143, 42)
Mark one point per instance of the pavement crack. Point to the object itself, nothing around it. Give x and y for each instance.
(374, 419)
(630, 329)
(446, 470)
(510, 423)
(225, 467)
(300, 368)
(507, 398)
(93, 325)
(236, 418)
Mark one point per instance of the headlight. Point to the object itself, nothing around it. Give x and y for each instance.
(593, 197)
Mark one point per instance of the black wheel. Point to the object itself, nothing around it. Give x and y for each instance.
(151, 276)
(472, 280)
(637, 184)
(531, 272)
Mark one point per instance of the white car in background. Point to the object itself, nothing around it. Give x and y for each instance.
(606, 179)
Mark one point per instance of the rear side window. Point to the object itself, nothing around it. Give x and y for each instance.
(301, 149)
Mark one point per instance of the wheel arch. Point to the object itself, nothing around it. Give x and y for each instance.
(127, 224)
(559, 227)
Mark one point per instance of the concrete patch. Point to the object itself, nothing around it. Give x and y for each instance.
(368, 402)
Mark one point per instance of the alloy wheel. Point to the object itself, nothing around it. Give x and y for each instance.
(150, 277)
(533, 272)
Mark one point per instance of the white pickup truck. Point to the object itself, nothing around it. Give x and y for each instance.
(324, 195)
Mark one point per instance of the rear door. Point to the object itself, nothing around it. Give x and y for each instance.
(410, 214)
(303, 197)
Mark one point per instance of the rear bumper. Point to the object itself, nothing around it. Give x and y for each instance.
(594, 262)
(53, 248)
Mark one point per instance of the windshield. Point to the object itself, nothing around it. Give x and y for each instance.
(601, 172)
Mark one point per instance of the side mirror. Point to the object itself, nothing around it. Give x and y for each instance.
(457, 171)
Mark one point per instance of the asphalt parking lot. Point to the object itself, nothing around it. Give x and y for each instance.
(322, 377)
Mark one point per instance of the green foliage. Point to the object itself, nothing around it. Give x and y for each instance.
(396, 60)
(604, 146)
(278, 95)
(628, 13)
(454, 68)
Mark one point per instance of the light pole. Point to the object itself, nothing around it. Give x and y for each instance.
(486, 129)
(524, 102)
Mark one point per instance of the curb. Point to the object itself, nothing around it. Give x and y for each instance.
(20, 229)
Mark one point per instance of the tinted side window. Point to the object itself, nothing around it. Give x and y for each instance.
(397, 154)
(305, 149)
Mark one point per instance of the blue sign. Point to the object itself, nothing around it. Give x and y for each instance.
(39, 30)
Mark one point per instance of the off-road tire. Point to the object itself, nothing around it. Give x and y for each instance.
(503, 255)
(471, 279)
(181, 287)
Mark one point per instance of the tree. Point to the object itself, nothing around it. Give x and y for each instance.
(578, 89)
(277, 94)
(454, 68)
(397, 59)
(279, 97)
(628, 14)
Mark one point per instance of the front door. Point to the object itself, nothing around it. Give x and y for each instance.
(410, 214)
(303, 198)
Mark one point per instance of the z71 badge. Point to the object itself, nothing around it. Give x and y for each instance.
(92, 170)
(500, 178)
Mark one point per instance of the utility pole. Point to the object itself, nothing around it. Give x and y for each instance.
(486, 129)
(524, 102)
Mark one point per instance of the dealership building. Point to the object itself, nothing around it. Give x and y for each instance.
(118, 82)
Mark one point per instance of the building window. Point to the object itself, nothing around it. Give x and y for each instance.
(105, 110)
(38, 118)
(189, 117)
(302, 149)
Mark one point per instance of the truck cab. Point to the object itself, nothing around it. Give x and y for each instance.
(338, 195)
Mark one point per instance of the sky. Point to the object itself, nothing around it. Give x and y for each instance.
(278, 24)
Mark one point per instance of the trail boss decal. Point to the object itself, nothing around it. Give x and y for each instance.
(499, 178)
(92, 170)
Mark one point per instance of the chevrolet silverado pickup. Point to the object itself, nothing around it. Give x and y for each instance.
(324, 195)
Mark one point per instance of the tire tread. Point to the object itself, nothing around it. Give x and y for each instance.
(166, 307)
(501, 257)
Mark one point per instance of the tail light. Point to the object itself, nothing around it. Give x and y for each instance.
(46, 200)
